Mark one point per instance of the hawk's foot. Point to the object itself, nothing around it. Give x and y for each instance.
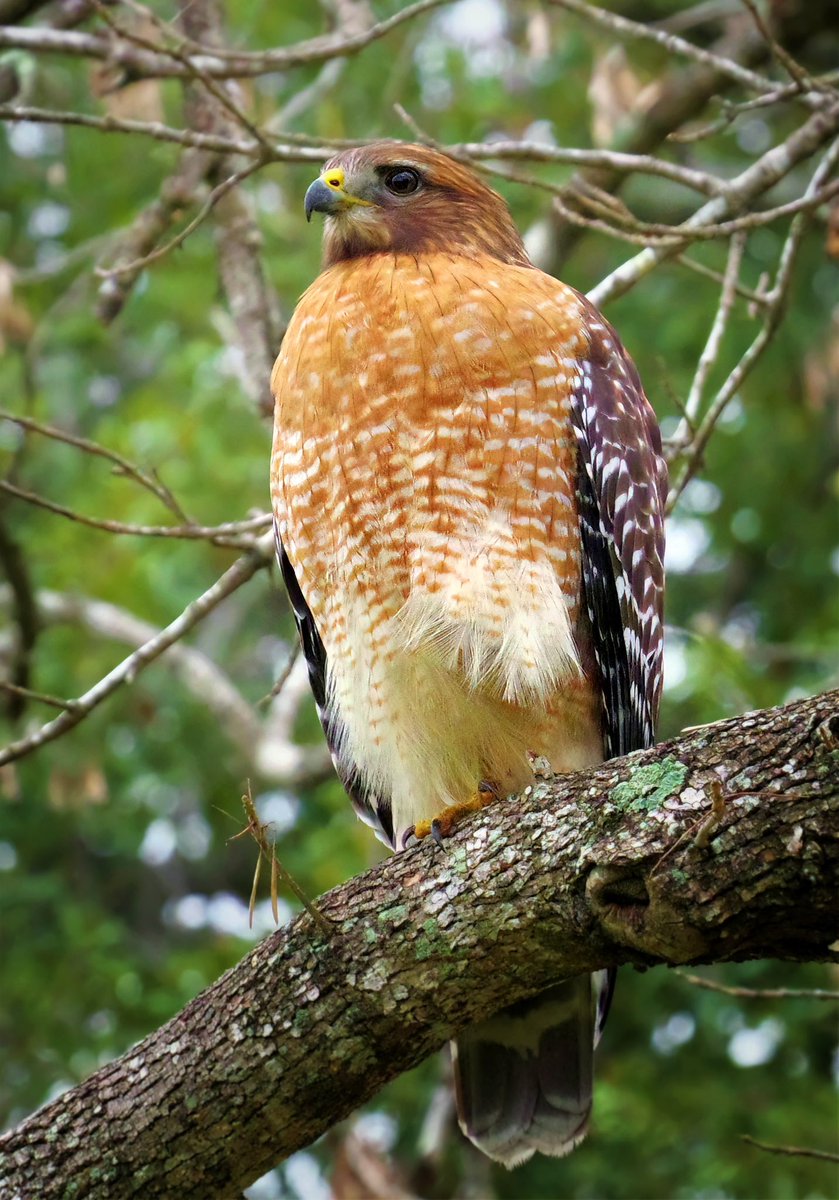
(444, 824)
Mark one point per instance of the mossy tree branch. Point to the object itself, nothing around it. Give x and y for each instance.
(718, 846)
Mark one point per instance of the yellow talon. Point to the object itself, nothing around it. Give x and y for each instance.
(446, 821)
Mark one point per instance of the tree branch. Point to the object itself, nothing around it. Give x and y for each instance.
(211, 108)
(256, 559)
(581, 872)
(741, 191)
(216, 62)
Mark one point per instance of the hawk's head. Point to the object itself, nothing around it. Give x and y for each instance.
(398, 198)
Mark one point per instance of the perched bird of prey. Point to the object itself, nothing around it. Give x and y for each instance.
(468, 492)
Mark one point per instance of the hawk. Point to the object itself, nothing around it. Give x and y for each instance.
(468, 494)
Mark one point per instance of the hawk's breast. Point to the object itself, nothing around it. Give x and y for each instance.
(424, 480)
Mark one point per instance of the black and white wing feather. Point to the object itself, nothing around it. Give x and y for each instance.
(372, 809)
(621, 492)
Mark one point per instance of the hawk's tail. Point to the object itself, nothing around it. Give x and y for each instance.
(524, 1078)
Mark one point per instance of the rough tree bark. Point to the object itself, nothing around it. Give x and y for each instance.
(718, 846)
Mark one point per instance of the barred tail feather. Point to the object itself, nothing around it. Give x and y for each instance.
(524, 1078)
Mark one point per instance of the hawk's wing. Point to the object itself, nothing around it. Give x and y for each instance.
(372, 809)
(621, 491)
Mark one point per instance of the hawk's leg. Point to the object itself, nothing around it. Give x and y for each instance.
(446, 821)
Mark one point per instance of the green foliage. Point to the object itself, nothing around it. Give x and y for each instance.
(121, 894)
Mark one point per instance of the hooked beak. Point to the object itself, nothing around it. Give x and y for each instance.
(329, 195)
(322, 198)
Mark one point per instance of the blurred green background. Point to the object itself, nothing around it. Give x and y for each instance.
(121, 895)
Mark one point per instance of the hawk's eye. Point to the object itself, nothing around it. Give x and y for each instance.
(402, 181)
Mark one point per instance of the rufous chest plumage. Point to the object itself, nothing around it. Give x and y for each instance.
(423, 441)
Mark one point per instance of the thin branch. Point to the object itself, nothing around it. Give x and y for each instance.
(757, 179)
(316, 49)
(726, 67)
(802, 81)
(643, 164)
(198, 673)
(229, 533)
(744, 993)
(731, 110)
(193, 70)
(123, 465)
(219, 191)
(772, 317)
(712, 347)
(647, 233)
(306, 98)
(256, 324)
(282, 678)
(179, 191)
(279, 754)
(217, 63)
(242, 570)
(624, 226)
(314, 150)
(756, 298)
(682, 94)
(26, 693)
(162, 133)
(654, 233)
(791, 1151)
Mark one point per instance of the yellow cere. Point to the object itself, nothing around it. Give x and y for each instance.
(336, 179)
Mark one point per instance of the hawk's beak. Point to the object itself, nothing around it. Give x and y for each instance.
(328, 195)
(322, 198)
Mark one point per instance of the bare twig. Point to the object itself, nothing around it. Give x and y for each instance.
(230, 533)
(252, 303)
(279, 755)
(306, 98)
(123, 465)
(791, 1151)
(219, 191)
(756, 298)
(624, 226)
(744, 993)
(801, 79)
(726, 67)
(621, 221)
(643, 164)
(242, 570)
(704, 224)
(682, 95)
(181, 190)
(755, 181)
(731, 110)
(198, 673)
(193, 69)
(712, 347)
(771, 319)
(282, 678)
(163, 133)
(26, 693)
(217, 63)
